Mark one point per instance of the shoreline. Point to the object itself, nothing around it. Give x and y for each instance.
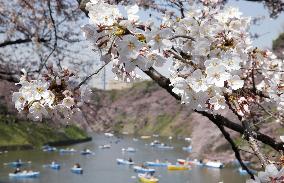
(55, 144)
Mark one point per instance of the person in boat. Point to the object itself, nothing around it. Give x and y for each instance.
(53, 162)
(157, 161)
(77, 165)
(150, 175)
(86, 150)
(17, 170)
(143, 166)
(130, 160)
(18, 162)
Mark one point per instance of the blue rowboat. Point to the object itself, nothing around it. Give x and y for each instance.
(165, 147)
(24, 175)
(139, 169)
(77, 170)
(187, 149)
(48, 148)
(124, 162)
(157, 164)
(63, 151)
(55, 166)
(87, 152)
(129, 149)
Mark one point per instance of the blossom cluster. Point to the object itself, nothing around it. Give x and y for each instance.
(271, 174)
(52, 97)
(212, 58)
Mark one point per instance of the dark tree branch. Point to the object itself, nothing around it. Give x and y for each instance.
(20, 41)
(278, 146)
(216, 119)
(89, 77)
(10, 78)
(250, 137)
(234, 148)
(55, 38)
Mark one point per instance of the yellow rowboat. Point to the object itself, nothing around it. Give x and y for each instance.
(145, 179)
(177, 167)
(145, 137)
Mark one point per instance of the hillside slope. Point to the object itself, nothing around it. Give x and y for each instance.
(18, 134)
(147, 109)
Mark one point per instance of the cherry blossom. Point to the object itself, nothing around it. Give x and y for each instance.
(210, 49)
(102, 13)
(235, 82)
(53, 96)
(158, 39)
(271, 174)
(37, 111)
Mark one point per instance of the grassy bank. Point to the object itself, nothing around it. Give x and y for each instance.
(23, 134)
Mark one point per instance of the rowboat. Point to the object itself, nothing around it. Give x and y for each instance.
(155, 143)
(124, 162)
(67, 150)
(87, 152)
(214, 164)
(106, 146)
(163, 146)
(77, 170)
(157, 164)
(129, 149)
(109, 135)
(145, 137)
(147, 179)
(195, 162)
(54, 166)
(187, 149)
(48, 148)
(140, 169)
(24, 174)
(178, 167)
(189, 162)
(187, 139)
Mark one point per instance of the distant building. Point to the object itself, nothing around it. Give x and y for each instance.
(114, 84)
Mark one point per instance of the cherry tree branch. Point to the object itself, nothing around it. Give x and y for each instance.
(217, 119)
(89, 77)
(55, 37)
(21, 41)
(234, 148)
(182, 36)
(253, 144)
